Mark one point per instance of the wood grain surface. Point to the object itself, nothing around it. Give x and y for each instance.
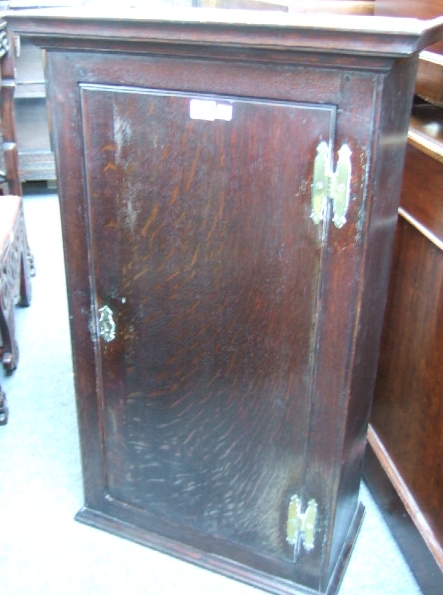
(214, 285)
(244, 359)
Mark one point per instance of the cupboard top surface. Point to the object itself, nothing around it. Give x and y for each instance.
(273, 30)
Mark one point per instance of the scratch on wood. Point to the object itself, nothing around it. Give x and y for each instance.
(108, 147)
(108, 166)
(194, 258)
(141, 273)
(172, 276)
(150, 220)
(151, 318)
(174, 196)
(165, 153)
(166, 391)
(221, 206)
(193, 169)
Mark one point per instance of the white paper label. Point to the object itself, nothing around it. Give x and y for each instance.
(205, 109)
(223, 112)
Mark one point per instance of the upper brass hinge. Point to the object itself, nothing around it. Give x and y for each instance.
(300, 527)
(332, 185)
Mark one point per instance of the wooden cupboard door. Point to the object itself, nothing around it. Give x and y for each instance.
(203, 249)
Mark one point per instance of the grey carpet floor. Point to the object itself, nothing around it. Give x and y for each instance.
(42, 549)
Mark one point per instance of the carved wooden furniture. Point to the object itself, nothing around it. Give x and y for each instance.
(229, 185)
(15, 284)
(3, 408)
(16, 264)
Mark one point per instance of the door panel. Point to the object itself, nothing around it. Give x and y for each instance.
(203, 249)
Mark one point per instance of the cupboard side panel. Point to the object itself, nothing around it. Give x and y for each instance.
(340, 294)
(392, 100)
(68, 148)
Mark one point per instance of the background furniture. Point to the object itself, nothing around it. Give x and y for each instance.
(16, 263)
(226, 292)
(33, 138)
(403, 466)
(405, 437)
(3, 408)
(35, 152)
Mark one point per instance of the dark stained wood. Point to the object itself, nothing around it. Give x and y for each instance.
(407, 412)
(420, 9)
(15, 258)
(429, 83)
(420, 197)
(15, 274)
(3, 408)
(425, 134)
(425, 9)
(401, 514)
(35, 152)
(217, 252)
(7, 116)
(429, 76)
(210, 29)
(246, 339)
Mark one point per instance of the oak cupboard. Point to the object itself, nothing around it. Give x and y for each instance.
(229, 185)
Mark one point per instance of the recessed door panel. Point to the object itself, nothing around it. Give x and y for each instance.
(209, 266)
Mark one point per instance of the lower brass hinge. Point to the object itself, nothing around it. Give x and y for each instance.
(327, 184)
(300, 527)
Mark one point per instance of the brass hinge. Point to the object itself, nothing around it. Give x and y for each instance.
(301, 525)
(327, 184)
